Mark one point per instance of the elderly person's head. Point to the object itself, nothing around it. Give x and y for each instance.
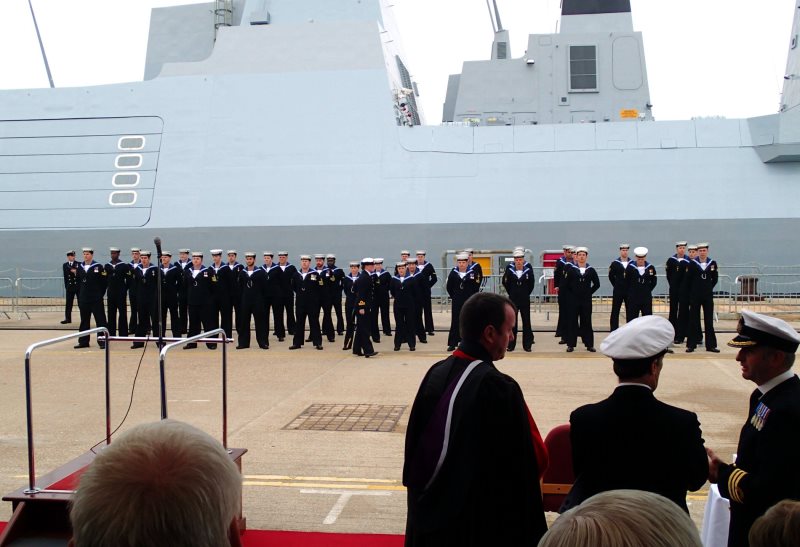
(159, 484)
(778, 527)
(623, 518)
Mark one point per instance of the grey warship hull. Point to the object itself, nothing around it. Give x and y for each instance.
(286, 136)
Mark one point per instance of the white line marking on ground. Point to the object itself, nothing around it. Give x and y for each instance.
(341, 501)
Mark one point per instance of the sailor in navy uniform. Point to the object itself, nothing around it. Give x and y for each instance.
(675, 272)
(564, 305)
(380, 279)
(236, 295)
(473, 266)
(70, 268)
(325, 297)
(348, 283)
(120, 277)
(287, 294)
(251, 280)
(273, 296)
(461, 284)
(616, 275)
(582, 282)
(171, 281)
(184, 263)
(146, 280)
(308, 286)
(92, 283)
(631, 439)
(403, 289)
(201, 282)
(335, 291)
(412, 271)
(518, 281)
(703, 276)
(404, 254)
(641, 276)
(135, 263)
(427, 279)
(222, 310)
(765, 471)
(363, 287)
(684, 304)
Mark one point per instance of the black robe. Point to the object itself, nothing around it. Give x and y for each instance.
(487, 490)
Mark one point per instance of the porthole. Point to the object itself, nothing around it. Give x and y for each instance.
(128, 161)
(121, 198)
(125, 179)
(131, 142)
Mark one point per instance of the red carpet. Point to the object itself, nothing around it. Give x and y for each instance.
(265, 538)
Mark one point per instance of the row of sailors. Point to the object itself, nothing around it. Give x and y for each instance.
(691, 275)
(204, 298)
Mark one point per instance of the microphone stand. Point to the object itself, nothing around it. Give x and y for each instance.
(160, 309)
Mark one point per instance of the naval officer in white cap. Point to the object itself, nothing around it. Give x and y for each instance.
(641, 279)
(633, 440)
(768, 455)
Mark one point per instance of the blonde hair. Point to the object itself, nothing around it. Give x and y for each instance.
(623, 518)
(159, 484)
(778, 527)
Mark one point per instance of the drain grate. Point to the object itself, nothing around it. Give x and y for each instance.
(348, 417)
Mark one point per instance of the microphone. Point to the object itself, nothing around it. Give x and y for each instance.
(157, 241)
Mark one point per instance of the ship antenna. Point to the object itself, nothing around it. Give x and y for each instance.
(41, 46)
(497, 16)
(491, 16)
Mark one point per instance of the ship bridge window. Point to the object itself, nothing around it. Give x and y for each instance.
(125, 179)
(128, 161)
(124, 197)
(131, 143)
(583, 68)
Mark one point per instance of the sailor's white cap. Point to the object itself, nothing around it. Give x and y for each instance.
(367, 260)
(421, 252)
(197, 254)
(87, 250)
(377, 260)
(462, 256)
(566, 247)
(624, 245)
(702, 245)
(184, 250)
(146, 253)
(469, 250)
(135, 250)
(640, 251)
(305, 257)
(405, 252)
(691, 247)
(166, 253)
(268, 253)
(319, 256)
(681, 243)
(519, 248)
(411, 261)
(639, 338)
(232, 252)
(582, 250)
(330, 255)
(250, 254)
(215, 252)
(283, 253)
(756, 329)
(113, 249)
(401, 263)
(355, 263)
(519, 254)
(71, 252)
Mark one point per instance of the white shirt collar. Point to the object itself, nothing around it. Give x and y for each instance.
(621, 384)
(779, 379)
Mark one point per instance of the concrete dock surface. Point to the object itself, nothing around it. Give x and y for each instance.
(324, 429)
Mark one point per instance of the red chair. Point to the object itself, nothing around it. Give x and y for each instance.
(559, 477)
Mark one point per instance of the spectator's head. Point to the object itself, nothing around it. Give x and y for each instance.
(778, 527)
(488, 319)
(159, 484)
(623, 517)
(638, 347)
